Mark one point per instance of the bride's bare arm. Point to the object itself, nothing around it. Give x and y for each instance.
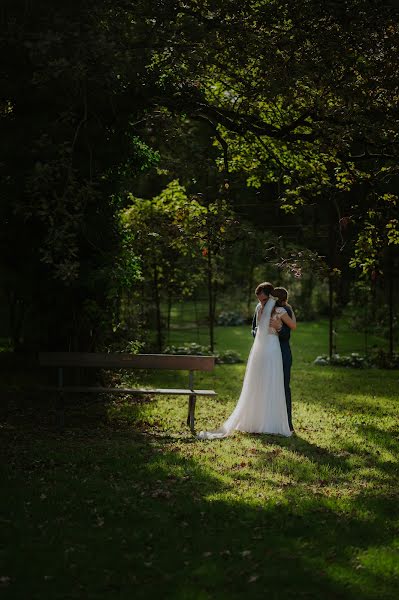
(288, 321)
(293, 314)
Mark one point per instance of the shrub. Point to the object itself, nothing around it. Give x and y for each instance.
(382, 359)
(188, 348)
(353, 360)
(378, 358)
(228, 357)
(229, 319)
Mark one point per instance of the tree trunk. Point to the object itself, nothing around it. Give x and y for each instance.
(331, 261)
(197, 324)
(169, 315)
(210, 299)
(390, 305)
(157, 309)
(330, 316)
(17, 316)
(366, 325)
(250, 288)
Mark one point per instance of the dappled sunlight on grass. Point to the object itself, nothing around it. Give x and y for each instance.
(127, 503)
(160, 510)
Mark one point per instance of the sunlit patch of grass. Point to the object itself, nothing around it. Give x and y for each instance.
(127, 503)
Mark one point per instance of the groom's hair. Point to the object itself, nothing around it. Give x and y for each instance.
(281, 294)
(265, 287)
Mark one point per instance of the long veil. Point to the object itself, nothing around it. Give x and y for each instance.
(252, 379)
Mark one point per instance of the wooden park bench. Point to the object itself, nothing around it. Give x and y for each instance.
(172, 362)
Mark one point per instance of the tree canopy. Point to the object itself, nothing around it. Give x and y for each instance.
(299, 96)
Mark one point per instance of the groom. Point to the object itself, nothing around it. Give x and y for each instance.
(284, 338)
(263, 291)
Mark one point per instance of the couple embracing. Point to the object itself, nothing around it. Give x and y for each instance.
(264, 405)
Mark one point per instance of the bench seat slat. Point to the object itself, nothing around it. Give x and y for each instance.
(105, 390)
(124, 360)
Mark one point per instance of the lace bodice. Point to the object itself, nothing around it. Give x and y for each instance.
(275, 323)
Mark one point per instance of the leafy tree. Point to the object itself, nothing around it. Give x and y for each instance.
(180, 242)
(302, 94)
(161, 237)
(301, 97)
(69, 101)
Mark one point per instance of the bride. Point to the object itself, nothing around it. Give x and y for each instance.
(261, 407)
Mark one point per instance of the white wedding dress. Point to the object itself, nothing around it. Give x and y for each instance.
(261, 407)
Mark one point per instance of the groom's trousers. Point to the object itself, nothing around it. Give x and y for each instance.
(287, 364)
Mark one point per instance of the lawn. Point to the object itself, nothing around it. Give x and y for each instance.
(127, 504)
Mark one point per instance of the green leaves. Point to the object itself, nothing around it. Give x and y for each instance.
(303, 96)
(392, 228)
(173, 227)
(378, 231)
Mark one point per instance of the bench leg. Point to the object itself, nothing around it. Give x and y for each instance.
(60, 411)
(60, 404)
(191, 411)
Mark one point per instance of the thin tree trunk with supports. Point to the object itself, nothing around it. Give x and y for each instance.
(250, 287)
(211, 300)
(157, 308)
(169, 316)
(390, 303)
(331, 246)
(330, 316)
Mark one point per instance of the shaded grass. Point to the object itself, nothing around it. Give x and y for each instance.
(127, 504)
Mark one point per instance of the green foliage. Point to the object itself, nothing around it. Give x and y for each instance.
(180, 242)
(353, 360)
(229, 318)
(295, 98)
(161, 230)
(228, 357)
(68, 141)
(377, 234)
(188, 348)
(225, 357)
(382, 359)
(286, 97)
(378, 358)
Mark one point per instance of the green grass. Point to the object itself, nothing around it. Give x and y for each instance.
(127, 504)
(310, 340)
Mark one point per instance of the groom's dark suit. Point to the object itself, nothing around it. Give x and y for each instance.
(284, 338)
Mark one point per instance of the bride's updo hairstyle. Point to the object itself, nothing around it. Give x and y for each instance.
(265, 287)
(281, 294)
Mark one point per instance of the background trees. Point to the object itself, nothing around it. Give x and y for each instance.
(180, 243)
(253, 106)
(71, 90)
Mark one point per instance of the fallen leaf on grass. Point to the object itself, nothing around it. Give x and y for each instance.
(242, 465)
(161, 494)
